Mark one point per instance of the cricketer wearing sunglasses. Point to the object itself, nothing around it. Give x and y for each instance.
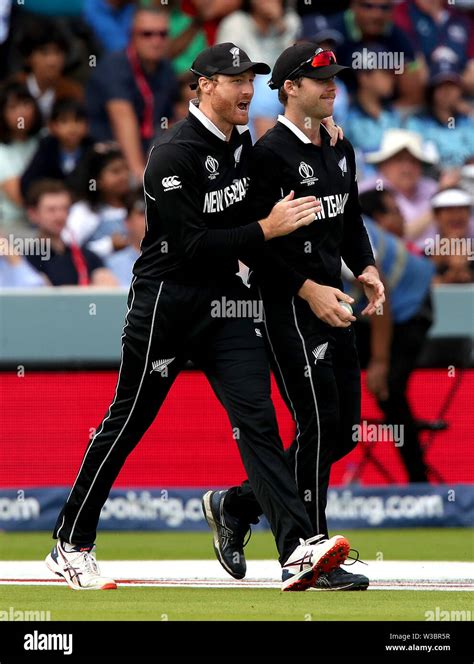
(307, 331)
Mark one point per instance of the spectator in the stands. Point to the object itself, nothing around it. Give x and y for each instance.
(211, 13)
(441, 123)
(186, 94)
(16, 271)
(111, 21)
(44, 48)
(467, 102)
(20, 123)
(453, 248)
(48, 203)
(60, 153)
(263, 29)
(371, 113)
(390, 343)
(121, 262)
(187, 36)
(132, 92)
(97, 220)
(400, 162)
(365, 23)
(436, 24)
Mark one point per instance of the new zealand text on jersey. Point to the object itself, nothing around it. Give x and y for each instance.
(332, 206)
(217, 201)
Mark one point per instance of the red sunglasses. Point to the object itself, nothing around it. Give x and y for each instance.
(319, 59)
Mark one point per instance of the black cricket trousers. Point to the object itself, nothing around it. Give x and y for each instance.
(317, 370)
(166, 325)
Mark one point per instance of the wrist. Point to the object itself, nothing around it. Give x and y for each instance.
(379, 361)
(371, 269)
(306, 288)
(266, 227)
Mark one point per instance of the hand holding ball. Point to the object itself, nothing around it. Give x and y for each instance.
(346, 306)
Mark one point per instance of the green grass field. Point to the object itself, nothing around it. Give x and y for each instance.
(238, 604)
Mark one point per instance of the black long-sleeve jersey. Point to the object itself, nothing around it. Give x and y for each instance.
(285, 159)
(195, 188)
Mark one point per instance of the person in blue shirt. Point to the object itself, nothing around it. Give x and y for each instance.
(451, 132)
(435, 24)
(111, 21)
(16, 272)
(121, 262)
(371, 114)
(390, 345)
(357, 29)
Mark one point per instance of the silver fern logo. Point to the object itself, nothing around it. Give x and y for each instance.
(320, 352)
(161, 366)
(235, 52)
(238, 154)
(343, 165)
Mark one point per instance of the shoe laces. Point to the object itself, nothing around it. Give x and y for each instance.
(316, 539)
(87, 561)
(240, 535)
(90, 562)
(354, 559)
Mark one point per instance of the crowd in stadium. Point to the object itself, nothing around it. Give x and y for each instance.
(87, 86)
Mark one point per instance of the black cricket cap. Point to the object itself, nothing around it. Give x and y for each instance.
(226, 59)
(295, 61)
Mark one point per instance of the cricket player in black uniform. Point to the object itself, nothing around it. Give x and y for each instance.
(308, 333)
(195, 184)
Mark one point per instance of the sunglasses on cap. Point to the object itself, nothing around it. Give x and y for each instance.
(321, 58)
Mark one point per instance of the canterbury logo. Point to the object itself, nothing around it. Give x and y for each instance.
(212, 164)
(319, 352)
(305, 170)
(160, 366)
(172, 182)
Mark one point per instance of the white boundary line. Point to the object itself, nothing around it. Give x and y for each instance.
(383, 575)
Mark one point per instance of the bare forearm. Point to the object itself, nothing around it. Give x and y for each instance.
(12, 189)
(182, 41)
(127, 133)
(381, 337)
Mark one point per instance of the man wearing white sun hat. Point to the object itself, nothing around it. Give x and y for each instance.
(452, 249)
(400, 161)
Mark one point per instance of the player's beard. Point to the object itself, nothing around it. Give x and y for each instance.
(228, 111)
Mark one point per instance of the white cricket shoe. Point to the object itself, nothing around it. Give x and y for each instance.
(311, 558)
(78, 566)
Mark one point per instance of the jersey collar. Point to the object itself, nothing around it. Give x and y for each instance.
(292, 127)
(296, 130)
(210, 126)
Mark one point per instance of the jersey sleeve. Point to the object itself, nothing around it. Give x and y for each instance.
(356, 249)
(173, 185)
(270, 268)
